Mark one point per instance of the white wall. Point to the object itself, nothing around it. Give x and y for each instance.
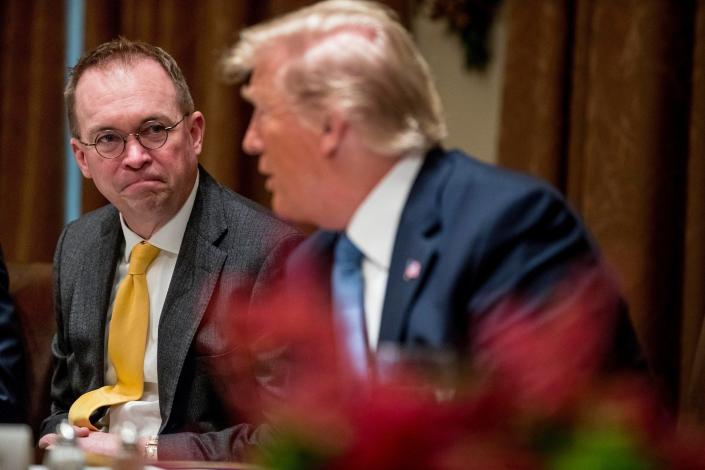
(472, 100)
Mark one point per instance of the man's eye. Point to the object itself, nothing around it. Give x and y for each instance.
(107, 138)
(152, 129)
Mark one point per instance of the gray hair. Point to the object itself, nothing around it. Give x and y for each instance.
(354, 57)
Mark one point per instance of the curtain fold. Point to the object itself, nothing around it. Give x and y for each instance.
(536, 80)
(693, 327)
(31, 128)
(611, 121)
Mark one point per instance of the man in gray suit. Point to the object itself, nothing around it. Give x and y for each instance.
(137, 135)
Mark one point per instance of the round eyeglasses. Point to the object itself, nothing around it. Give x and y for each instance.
(151, 135)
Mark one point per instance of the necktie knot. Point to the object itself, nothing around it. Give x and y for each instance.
(347, 254)
(141, 257)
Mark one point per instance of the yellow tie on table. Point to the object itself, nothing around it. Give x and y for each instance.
(127, 339)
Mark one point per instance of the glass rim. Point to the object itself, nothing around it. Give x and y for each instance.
(138, 136)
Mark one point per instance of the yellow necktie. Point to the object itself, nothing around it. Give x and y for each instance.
(127, 340)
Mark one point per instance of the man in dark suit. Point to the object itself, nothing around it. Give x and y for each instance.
(348, 125)
(12, 370)
(214, 254)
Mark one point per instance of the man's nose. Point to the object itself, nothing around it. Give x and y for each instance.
(135, 154)
(252, 143)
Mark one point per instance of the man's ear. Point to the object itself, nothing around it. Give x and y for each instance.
(80, 156)
(197, 130)
(334, 129)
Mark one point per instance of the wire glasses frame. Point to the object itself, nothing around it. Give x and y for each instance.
(151, 135)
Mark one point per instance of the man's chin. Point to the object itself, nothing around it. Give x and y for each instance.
(281, 211)
(285, 211)
(295, 216)
(146, 202)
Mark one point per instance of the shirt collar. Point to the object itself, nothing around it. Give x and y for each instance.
(373, 226)
(169, 237)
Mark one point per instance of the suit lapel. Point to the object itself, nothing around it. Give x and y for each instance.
(197, 271)
(415, 247)
(94, 287)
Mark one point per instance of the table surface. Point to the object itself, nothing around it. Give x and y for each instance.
(179, 465)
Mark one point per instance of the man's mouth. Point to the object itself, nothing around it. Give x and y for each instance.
(148, 181)
(269, 183)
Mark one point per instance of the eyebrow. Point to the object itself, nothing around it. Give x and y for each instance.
(93, 131)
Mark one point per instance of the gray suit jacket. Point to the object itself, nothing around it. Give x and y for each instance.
(229, 259)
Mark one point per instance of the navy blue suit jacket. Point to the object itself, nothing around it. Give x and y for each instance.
(479, 234)
(12, 378)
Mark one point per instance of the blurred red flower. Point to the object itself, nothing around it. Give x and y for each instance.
(531, 395)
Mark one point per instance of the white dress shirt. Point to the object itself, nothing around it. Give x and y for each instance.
(144, 413)
(373, 229)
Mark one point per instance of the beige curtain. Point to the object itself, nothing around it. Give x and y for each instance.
(606, 100)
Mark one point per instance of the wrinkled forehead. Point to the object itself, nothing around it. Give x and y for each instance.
(122, 90)
(133, 75)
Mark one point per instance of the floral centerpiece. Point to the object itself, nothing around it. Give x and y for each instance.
(535, 395)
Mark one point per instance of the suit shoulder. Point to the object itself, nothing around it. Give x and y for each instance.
(79, 238)
(90, 224)
(471, 183)
(499, 203)
(469, 170)
(245, 215)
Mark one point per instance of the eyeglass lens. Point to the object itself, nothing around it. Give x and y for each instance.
(151, 135)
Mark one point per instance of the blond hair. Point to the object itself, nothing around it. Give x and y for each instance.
(354, 57)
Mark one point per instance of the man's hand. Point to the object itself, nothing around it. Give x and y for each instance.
(102, 443)
(49, 440)
(92, 442)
